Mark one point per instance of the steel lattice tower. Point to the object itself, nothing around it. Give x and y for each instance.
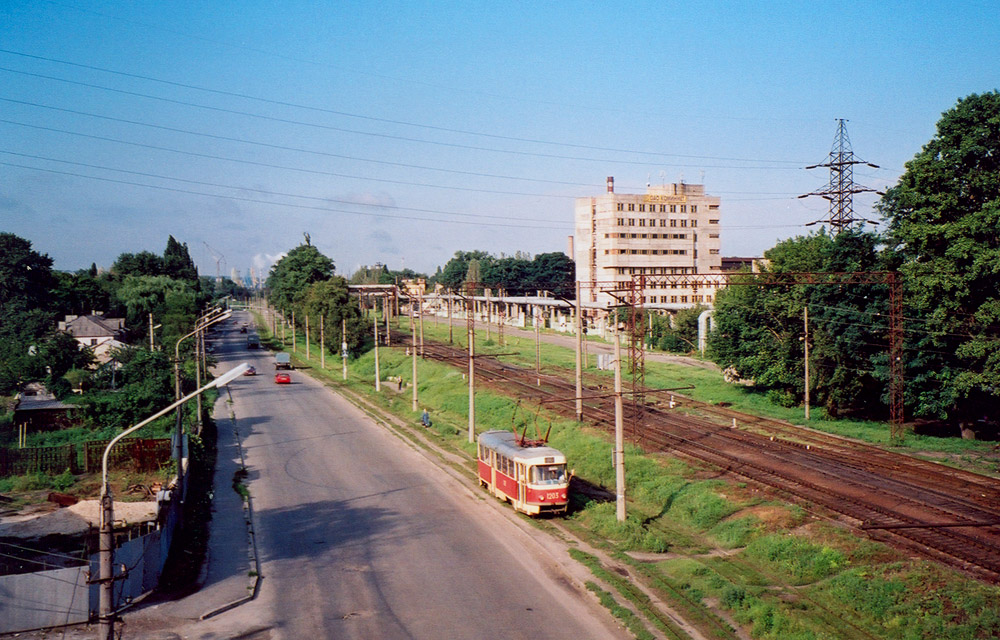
(841, 188)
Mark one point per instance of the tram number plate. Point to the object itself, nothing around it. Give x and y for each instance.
(553, 496)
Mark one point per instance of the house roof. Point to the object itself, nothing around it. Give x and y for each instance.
(94, 326)
(37, 398)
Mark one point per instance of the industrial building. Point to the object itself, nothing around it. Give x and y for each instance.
(671, 229)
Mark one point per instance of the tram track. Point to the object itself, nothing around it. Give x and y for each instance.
(950, 515)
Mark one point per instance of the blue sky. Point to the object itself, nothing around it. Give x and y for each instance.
(401, 132)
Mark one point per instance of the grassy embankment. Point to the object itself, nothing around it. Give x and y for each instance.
(724, 553)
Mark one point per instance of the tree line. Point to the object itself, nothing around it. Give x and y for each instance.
(943, 239)
(139, 381)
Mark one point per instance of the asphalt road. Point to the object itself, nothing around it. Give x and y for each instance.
(362, 536)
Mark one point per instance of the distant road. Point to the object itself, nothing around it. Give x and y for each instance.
(360, 536)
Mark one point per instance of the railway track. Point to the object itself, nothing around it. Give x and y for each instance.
(949, 515)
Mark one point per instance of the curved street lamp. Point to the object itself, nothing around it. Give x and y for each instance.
(106, 542)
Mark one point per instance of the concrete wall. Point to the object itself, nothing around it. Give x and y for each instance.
(62, 596)
(43, 599)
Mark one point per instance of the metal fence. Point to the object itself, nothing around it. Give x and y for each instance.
(138, 454)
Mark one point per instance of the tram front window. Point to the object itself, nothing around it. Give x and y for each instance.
(548, 474)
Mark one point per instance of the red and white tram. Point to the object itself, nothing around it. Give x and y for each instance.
(532, 477)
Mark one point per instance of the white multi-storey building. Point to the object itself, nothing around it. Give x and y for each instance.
(671, 229)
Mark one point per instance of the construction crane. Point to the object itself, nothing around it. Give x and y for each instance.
(219, 261)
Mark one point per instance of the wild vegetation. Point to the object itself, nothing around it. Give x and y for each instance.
(136, 382)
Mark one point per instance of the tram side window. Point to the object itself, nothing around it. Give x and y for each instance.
(548, 474)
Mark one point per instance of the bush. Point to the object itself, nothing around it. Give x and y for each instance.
(797, 558)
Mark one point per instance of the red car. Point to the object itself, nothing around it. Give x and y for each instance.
(282, 378)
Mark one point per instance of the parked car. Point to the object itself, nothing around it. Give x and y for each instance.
(250, 372)
(282, 378)
(282, 361)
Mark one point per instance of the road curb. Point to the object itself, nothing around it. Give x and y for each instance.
(254, 586)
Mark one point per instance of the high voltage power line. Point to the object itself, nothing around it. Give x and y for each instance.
(232, 94)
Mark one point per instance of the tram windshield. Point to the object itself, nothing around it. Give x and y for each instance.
(548, 474)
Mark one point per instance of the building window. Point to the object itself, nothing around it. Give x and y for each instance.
(713, 235)
(663, 208)
(713, 252)
(713, 207)
(713, 222)
(631, 206)
(673, 223)
(621, 222)
(684, 208)
(642, 207)
(694, 208)
(673, 299)
(621, 206)
(684, 299)
(642, 221)
(663, 222)
(684, 223)
(673, 208)
(607, 251)
(631, 221)
(694, 223)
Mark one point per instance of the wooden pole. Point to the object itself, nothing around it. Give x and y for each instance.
(322, 342)
(343, 344)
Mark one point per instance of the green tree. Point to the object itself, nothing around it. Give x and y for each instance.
(144, 263)
(177, 261)
(457, 268)
(302, 266)
(330, 301)
(26, 309)
(553, 272)
(760, 329)
(944, 238)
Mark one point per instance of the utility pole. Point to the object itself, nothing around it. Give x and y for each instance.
(841, 188)
(322, 342)
(420, 310)
(472, 383)
(579, 353)
(294, 343)
(151, 346)
(538, 348)
(343, 344)
(414, 350)
(619, 434)
(378, 384)
(451, 335)
(805, 319)
(386, 308)
(307, 336)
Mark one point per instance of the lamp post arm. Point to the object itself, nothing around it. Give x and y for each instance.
(224, 379)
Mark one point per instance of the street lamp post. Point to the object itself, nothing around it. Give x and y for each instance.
(200, 323)
(106, 541)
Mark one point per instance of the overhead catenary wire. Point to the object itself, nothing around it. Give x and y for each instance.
(659, 154)
(273, 203)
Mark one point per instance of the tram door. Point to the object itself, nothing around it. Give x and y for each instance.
(522, 482)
